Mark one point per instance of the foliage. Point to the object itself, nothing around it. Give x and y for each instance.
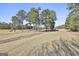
(72, 21)
(4, 25)
(48, 18)
(21, 17)
(35, 18)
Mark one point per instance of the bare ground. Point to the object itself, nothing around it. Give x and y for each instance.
(18, 38)
(60, 43)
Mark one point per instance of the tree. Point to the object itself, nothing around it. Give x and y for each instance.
(48, 18)
(39, 19)
(67, 23)
(72, 21)
(15, 22)
(33, 17)
(4, 25)
(44, 16)
(52, 20)
(21, 16)
(73, 7)
(28, 19)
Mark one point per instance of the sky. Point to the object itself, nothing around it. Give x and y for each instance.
(7, 10)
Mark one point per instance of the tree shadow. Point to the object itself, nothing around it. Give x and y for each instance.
(3, 54)
(55, 30)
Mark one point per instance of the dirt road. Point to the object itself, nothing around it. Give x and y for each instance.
(18, 38)
(60, 43)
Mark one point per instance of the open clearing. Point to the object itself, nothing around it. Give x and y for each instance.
(59, 43)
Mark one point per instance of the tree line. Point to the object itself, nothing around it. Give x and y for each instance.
(35, 18)
(72, 21)
(4, 25)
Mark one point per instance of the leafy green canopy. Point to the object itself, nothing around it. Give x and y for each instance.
(72, 21)
(48, 18)
(35, 17)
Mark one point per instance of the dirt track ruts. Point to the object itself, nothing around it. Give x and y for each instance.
(18, 38)
(67, 45)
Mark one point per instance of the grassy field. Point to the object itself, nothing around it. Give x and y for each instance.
(26, 43)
